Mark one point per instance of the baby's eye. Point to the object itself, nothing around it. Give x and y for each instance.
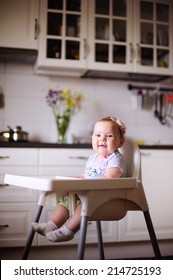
(109, 135)
(97, 135)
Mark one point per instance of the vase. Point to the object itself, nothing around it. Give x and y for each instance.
(62, 123)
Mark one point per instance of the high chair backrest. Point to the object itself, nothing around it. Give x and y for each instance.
(131, 153)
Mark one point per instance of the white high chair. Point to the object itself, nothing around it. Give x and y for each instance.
(102, 199)
(113, 204)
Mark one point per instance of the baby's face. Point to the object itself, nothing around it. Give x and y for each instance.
(106, 138)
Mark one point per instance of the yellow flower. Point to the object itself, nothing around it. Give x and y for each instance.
(67, 93)
(71, 103)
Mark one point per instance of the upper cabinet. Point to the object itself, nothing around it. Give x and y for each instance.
(110, 35)
(73, 36)
(153, 41)
(130, 36)
(62, 39)
(19, 23)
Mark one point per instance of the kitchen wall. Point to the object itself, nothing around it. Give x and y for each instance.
(24, 96)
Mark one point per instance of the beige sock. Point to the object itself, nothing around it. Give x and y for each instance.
(61, 234)
(43, 228)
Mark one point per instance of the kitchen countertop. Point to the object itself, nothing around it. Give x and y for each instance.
(74, 146)
(41, 145)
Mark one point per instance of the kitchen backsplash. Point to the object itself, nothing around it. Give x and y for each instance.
(24, 104)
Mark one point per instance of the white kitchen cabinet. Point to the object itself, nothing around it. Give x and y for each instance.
(158, 186)
(15, 222)
(130, 36)
(17, 205)
(153, 39)
(63, 161)
(19, 23)
(18, 157)
(62, 38)
(14, 161)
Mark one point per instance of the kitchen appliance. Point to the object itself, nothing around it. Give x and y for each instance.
(14, 135)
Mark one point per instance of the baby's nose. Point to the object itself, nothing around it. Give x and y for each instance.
(103, 137)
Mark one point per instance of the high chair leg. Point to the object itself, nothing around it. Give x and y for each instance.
(82, 238)
(31, 234)
(152, 235)
(100, 240)
(30, 238)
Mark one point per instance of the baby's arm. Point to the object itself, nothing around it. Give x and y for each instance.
(113, 172)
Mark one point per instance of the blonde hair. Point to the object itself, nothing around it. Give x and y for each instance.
(117, 121)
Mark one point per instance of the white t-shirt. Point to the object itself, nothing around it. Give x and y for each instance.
(97, 168)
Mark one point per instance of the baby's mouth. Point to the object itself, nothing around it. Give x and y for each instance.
(102, 146)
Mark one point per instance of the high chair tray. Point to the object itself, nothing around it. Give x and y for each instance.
(56, 183)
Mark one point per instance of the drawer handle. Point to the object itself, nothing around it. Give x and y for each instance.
(78, 157)
(4, 226)
(4, 185)
(146, 154)
(3, 157)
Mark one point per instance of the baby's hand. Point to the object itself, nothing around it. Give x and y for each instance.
(81, 176)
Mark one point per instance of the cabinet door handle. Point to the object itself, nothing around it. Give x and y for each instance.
(78, 157)
(4, 226)
(3, 157)
(131, 53)
(4, 185)
(138, 54)
(84, 48)
(36, 29)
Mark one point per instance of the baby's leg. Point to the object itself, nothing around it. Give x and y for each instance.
(74, 222)
(60, 215)
(68, 230)
(58, 218)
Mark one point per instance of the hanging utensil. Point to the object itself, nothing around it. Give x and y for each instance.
(156, 112)
(161, 118)
(169, 105)
(140, 99)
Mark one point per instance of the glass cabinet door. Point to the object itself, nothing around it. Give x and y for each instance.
(62, 37)
(162, 34)
(154, 46)
(109, 31)
(63, 29)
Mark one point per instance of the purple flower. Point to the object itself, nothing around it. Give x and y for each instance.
(53, 98)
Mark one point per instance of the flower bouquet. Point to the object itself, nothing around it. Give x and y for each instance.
(65, 103)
